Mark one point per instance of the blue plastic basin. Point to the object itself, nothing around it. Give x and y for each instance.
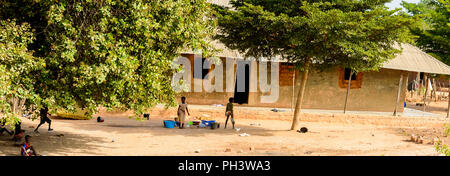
(208, 123)
(169, 123)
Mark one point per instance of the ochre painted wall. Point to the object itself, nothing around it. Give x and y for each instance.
(377, 93)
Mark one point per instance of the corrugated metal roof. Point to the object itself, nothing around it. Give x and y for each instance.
(415, 60)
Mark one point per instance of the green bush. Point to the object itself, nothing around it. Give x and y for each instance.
(447, 130)
(78, 115)
(442, 148)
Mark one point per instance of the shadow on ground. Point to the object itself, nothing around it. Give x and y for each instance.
(52, 143)
(155, 127)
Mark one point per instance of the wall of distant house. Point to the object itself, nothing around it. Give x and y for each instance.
(377, 91)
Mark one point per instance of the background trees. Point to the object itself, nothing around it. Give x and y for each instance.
(16, 62)
(359, 35)
(112, 53)
(433, 29)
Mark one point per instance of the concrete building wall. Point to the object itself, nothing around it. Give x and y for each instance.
(378, 91)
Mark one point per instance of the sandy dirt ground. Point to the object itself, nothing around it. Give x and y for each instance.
(437, 107)
(120, 135)
(434, 104)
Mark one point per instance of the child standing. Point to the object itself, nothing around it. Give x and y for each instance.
(229, 112)
(182, 109)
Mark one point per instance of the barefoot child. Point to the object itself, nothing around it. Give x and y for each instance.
(44, 118)
(229, 112)
(182, 109)
(18, 132)
(27, 149)
(3, 128)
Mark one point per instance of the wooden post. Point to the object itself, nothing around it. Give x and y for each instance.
(398, 93)
(418, 84)
(412, 88)
(301, 92)
(348, 90)
(426, 91)
(431, 90)
(405, 84)
(438, 87)
(448, 109)
(435, 90)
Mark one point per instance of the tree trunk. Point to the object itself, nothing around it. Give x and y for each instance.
(398, 94)
(348, 90)
(300, 95)
(293, 91)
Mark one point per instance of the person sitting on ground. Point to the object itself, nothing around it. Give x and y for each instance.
(18, 132)
(3, 128)
(44, 118)
(229, 112)
(182, 109)
(27, 149)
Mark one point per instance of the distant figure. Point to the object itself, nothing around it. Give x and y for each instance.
(229, 112)
(44, 118)
(18, 132)
(182, 109)
(413, 85)
(27, 149)
(3, 128)
(100, 119)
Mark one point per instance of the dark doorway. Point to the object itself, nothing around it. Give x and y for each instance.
(204, 72)
(421, 77)
(242, 97)
(347, 72)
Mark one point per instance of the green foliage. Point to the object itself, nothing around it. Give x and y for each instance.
(360, 35)
(433, 30)
(422, 90)
(78, 115)
(16, 62)
(116, 54)
(447, 129)
(442, 148)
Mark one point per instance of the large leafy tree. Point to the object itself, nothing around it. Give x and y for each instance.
(433, 30)
(16, 62)
(112, 53)
(316, 34)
